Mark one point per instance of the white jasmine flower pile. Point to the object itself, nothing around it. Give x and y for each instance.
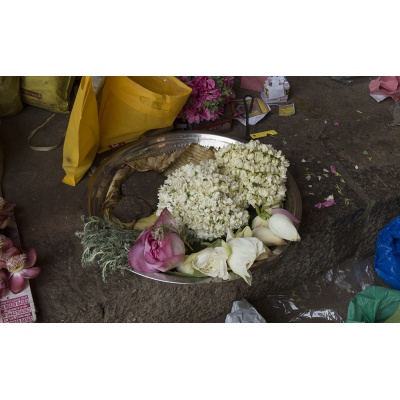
(261, 170)
(203, 201)
(208, 199)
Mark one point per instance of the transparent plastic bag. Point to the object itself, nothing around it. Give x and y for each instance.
(324, 298)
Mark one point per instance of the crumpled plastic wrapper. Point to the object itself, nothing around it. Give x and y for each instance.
(243, 312)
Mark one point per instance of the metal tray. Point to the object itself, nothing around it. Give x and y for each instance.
(164, 144)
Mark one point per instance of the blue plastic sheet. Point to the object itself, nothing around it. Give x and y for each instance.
(387, 255)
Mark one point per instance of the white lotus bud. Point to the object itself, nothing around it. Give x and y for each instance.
(267, 237)
(281, 226)
(258, 221)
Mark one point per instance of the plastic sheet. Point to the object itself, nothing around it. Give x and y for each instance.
(324, 298)
(243, 312)
(387, 256)
(374, 304)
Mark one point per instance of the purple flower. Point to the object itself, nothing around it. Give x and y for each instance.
(157, 248)
(192, 117)
(216, 115)
(21, 267)
(213, 94)
(205, 114)
(208, 97)
(7, 250)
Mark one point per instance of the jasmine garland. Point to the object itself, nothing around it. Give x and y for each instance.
(203, 201)
(260, 168)
(208, 199)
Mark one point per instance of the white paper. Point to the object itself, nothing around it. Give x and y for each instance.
(275, 91)
(378, 97)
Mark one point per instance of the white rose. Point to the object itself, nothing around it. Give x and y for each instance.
(244, 251)
(209, 261)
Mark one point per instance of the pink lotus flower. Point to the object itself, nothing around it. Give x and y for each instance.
(21, 267)
(157, 248)
(3, 282)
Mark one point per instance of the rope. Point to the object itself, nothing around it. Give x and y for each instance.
(43, 148)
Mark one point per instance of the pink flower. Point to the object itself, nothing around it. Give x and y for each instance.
(205, 114)
(213, 94)
(5, 212)
(7, 250)
(200, 82)
(3, 282)
(192, 117)
(216, 115)
(21, 267)
(158, 248)
(208, 96)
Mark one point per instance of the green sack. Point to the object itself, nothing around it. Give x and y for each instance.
(375, 304)
(10, 99)
(49, 92)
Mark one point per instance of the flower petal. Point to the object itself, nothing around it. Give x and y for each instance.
(329, 202)
(16, 283)
(165, 218)
(244, 253)
(13, 251)
(31, 258)
(172, 262)
(285, 212)
(176, 243)
(136, 259)
(30, 273)
(6, 243)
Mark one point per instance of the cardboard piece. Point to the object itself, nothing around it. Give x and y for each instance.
(18, 307)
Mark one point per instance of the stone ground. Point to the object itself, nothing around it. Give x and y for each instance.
(336, 123)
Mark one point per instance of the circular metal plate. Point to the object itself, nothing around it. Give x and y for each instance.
(165, 144)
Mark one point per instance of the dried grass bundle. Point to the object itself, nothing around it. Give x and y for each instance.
(106, 244)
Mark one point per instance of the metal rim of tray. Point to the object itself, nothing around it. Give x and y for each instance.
(167, 143)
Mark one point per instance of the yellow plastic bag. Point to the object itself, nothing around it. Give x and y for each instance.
(49, 92)
(131, 106)
(82, 136)
(10, 99)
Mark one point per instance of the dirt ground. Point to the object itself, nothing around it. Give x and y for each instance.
(336, 123)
